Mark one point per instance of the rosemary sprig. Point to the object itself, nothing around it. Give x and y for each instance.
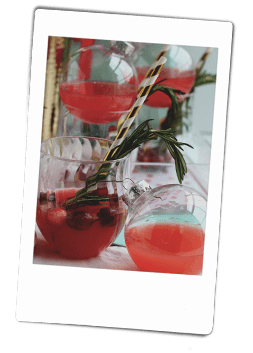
(143, 133)
(204, 78)
(174, 148)
(169, 91)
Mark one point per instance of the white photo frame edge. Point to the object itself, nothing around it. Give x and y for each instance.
(56, 294)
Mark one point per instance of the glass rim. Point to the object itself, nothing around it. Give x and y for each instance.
(79, 160)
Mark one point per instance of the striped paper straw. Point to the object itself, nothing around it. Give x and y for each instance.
(147, 84)
(163, 52)
(202, 60)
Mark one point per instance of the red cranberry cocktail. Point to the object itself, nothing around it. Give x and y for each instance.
(76, 224)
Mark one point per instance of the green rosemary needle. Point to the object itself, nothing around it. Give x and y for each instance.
(143, 133)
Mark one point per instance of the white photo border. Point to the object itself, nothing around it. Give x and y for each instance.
(112, 298)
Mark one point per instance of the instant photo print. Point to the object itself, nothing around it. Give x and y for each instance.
(124, 168)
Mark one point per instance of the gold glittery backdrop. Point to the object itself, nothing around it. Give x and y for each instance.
(52, 98)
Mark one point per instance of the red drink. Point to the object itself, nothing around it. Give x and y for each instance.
(82, 232)
(97, 102)
(173, 78)
(166, 247)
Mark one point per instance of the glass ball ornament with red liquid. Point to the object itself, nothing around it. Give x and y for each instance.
(165, 228)
(178, 72)
(99, 82)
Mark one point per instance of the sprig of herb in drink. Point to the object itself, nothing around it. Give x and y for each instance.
(143, 133)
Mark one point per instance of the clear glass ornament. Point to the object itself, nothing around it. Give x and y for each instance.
(177, 73)
(165, 228)
(99, 83)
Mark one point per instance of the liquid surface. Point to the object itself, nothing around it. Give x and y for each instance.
(182, 81)
(97, 102)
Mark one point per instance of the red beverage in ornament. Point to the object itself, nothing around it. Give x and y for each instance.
(80, 232)
(173, 78)
(167, 247)
(97, 102)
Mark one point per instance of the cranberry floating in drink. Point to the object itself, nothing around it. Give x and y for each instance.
(165, 229)
(73, 225)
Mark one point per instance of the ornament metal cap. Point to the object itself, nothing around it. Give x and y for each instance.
(135, 192)
(125, 48)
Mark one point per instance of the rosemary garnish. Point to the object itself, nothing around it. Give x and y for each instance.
(204, 78)
(170, 92)
(143, 133)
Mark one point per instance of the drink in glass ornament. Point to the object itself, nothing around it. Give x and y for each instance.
(99, 83)
(164, 230)
(171, 246)
(97, 102)
(182, 81)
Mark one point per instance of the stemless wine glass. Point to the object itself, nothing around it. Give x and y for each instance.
(72, 226)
